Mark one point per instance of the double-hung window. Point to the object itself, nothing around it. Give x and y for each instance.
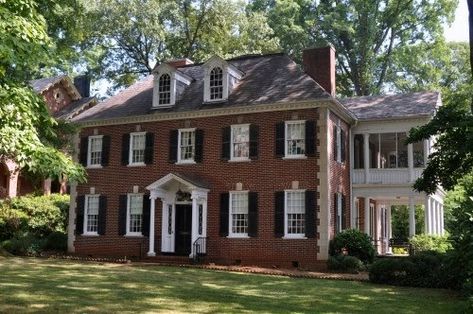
(238, 214)
(295, 213)
(295, 139)
(137, 148)
(91, 217)
(164, 89)
(186, 146)
(240, 148)
(216, 83)
(134, 214)
(94, 157)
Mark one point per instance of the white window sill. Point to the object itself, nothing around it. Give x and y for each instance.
(238, 236)
(132, 235)
(90, 234)
(240, 160)
(162, 106)
(210, 101)
(294, 236)
(186, 162)
(137, 164)
(289, 157)
(94, 167)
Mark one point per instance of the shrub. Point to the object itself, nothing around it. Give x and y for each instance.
(24, 244)
(353, 242)
(56, 241)
(400, 251)
(344, 263)
(424, 242)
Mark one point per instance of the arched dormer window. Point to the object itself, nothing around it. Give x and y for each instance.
(216, 83)
(164, 89)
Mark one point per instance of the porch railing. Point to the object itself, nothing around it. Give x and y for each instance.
(199, 248)
(385, 176)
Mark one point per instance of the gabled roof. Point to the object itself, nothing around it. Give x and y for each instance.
(75, 108)
(420, 104)
(40, 85)
(268, 79)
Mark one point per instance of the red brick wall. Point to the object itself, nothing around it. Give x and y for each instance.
(339, 173)
(266, 175)
(54, 105)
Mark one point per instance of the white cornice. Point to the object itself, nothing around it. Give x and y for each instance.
(225, 111)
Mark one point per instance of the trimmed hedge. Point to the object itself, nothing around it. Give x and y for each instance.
(343, 263)
(353, 242)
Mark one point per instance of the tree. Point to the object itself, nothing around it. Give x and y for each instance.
(366, 34)
(25, 124)
(130, 37)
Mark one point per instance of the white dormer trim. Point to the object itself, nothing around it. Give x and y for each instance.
(227, 70)
(175, 75)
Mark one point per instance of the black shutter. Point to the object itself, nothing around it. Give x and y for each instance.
(254, 137)
(344, 220)
(253, 214)
(199, 145)
(149, 148)
(342, 143)
(226, 145)
(224, 207)
(335, 206)
(279, 214)
(335, 150)
(105, 150)
(102, 215)
(84, 145)
(310, 214)
(310, 138)
(146, 214)
(280, 138)
(173, 138)
(80, 200)
(122, 208)
(125, 149)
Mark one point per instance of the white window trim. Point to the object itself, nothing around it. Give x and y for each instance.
(225, 81)
(89, 151)
(130, 150)
(292, 235)
(179, 160)
(86, 209)
(298, 156)
(339, 212)
(338, 138)
(128, 208)
(172, 102)
(232, 157)
(230, 233)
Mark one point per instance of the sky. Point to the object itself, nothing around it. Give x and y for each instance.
(458, 31)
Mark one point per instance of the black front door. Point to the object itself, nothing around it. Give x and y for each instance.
(183, 229)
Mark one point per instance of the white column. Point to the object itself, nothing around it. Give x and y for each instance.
(378, 228)
(195, 224)
(437, 218)
(426, 151)
(410, 162)
(389, 226)
(427, 215)
(442, 220)
(353, 215)
(431, 216)
(412, 217)
(366, 156)
(151, 251)
(367, 216)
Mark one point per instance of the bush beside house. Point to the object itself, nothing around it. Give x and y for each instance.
(31, 224)
(350, 250)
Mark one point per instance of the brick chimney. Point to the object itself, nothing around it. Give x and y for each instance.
(82, 83)
(319, 63)
(177, 63)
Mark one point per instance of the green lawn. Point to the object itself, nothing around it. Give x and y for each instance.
(38, 285)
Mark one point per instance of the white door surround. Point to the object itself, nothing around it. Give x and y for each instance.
(166, 189)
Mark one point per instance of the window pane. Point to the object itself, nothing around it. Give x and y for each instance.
(295, 212)
(187, 145)
(239, 212)
(164, 89)
(136, 213)
(92, 217)
(295, 138)
(216, 83)
(138, 148)
(95, 150)
(241, 141)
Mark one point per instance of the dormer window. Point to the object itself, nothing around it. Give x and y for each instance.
(216, 83)
(164, 89)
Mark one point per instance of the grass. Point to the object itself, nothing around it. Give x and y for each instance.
(52, 286)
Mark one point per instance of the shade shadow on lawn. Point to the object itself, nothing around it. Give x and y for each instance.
(37, 285)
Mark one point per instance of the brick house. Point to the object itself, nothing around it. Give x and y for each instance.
(65, 99)
(245, 160)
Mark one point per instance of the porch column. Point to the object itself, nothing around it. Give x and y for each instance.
(366, 156)
(412, 217)
(378, 229)
(195, 223)
(432, 216)
(427, 215)
(151, 251)
(389, 227)
(442, 227)
(367, 216)
(437, 218)
(354, 216)
(410, 162)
